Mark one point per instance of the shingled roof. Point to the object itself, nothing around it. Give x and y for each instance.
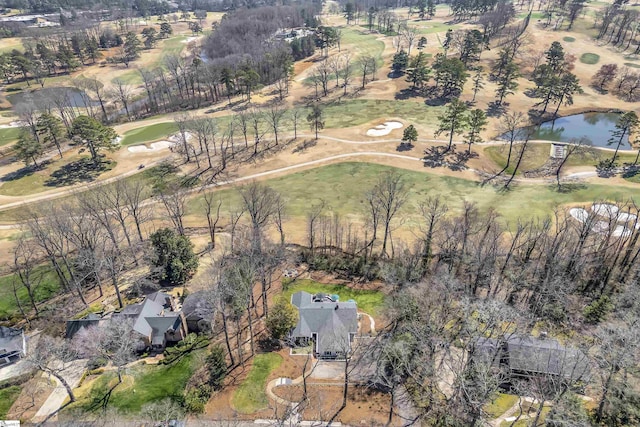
(525, 354)
(331, 322)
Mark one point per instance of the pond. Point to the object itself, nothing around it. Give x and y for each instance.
(597, 127)
(76, 96)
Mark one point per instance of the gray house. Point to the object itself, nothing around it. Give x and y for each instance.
(155, 321)
(13, 345)
(528, 356)
(198, 312)
(331, 325)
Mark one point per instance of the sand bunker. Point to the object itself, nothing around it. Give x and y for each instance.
(606, 210)
(579, 214)
(384, 129)
(13, 125)
(617, 219)
(154, 146)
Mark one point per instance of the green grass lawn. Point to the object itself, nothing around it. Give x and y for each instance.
(149, 133)
(8, 135)
(359, 111)
(251, 396)
(362, 43)
(151, 383)
(343, 186)
(431, 27)
(590, 58)
(527, 422)
(501, 404)
(368, 301)
(569, 39)
(48, 287)
(632, 65)
(8, 396)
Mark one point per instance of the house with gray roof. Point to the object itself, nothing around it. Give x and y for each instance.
(13, 345)
(155, 321)
(328, 323)
(528, 356)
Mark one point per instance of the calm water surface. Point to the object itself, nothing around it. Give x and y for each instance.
(597, 127)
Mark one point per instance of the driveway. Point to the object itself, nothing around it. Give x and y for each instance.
(72, 375)
(328, 370)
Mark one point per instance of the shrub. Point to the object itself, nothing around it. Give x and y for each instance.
(96, 362)
(598, 309)
(195, 399)
(281, 319)
(217, 367)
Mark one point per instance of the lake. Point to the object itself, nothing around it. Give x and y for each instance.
(38, 96)
(597, 127)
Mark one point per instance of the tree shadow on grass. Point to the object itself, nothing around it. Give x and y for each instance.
(23, 172)
(83, 170)
(496, 110)
(568, 187)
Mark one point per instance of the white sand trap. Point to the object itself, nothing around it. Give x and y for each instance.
(579, 214)
(627, 217)
(605, 210)
(384, 129)
(178, 137)
(621, 231)
(154, 146)
(13, 125)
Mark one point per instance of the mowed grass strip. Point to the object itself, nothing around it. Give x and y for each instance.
(251, 396)
(8, 396)
(367, 300)
(8, 135)
(343, 187)
(149, 133)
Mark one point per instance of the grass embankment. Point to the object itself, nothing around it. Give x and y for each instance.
(143, 384)
(8, 135)
(343, 186)
(501, 404)
(48, 287)
(149, 133)
(538, 154)
(250, 397)
(368, 301)
(8, 396)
